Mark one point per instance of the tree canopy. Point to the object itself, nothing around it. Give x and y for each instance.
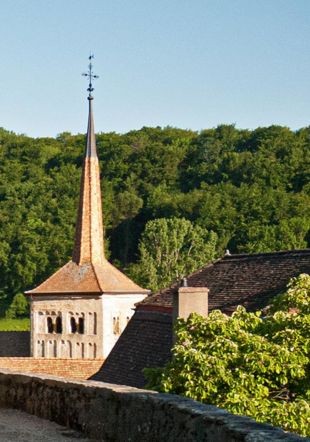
(255, 364)
(250, 187)
(171, 248)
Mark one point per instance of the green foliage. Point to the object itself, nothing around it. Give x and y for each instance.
(171, 248)
(19, 307)
(15, 324)
(249, 187)
(249, 364)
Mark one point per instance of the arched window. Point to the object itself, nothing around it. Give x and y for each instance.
(58, 325)
(73, 325)
(81, 326)
(50, 327)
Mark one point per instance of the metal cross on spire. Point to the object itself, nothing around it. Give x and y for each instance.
(90, 76)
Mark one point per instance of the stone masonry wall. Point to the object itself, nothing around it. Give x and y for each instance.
(14, 343)
(66, 344)
(118, 413)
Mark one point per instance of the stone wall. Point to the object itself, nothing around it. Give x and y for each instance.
(118, 413)
(14, 343)
(67, 343)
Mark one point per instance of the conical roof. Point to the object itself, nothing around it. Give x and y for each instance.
(89, 271)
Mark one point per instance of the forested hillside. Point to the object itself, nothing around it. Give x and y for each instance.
(251, 188)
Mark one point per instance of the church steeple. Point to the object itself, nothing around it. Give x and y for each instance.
(88, 244)
(89, 271)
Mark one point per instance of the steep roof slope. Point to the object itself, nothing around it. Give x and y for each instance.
(249, 280)
(146, 342)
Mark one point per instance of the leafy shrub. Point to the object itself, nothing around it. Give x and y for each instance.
(19, 307)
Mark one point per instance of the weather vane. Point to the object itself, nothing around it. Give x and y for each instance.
(90, 76)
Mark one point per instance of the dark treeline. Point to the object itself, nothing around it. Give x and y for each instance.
(250, 187)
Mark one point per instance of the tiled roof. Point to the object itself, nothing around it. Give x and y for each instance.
(88, 244)
(249, 280)
(80, 369)
(146, 342)
(87, 278)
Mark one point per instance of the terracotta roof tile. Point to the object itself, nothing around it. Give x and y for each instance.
(87, 278)
(80, 369)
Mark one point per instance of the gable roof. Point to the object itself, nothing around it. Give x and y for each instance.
(249, 280)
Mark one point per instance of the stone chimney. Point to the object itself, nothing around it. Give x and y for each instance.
(190, 300)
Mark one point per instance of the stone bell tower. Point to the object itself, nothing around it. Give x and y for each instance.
(80, 311)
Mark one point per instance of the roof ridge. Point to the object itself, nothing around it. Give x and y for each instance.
(109, 271)
(96, 276)
(263, 254)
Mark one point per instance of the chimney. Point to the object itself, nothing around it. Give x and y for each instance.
(190, 300)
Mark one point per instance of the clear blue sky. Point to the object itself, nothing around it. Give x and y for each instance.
(185, 63)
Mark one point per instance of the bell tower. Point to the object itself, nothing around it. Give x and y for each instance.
(81, 310)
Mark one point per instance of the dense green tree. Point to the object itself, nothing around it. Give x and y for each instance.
(249, 363)
(170, 248)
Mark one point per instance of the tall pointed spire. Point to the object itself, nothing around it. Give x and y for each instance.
(88, 244)
(89, 271)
